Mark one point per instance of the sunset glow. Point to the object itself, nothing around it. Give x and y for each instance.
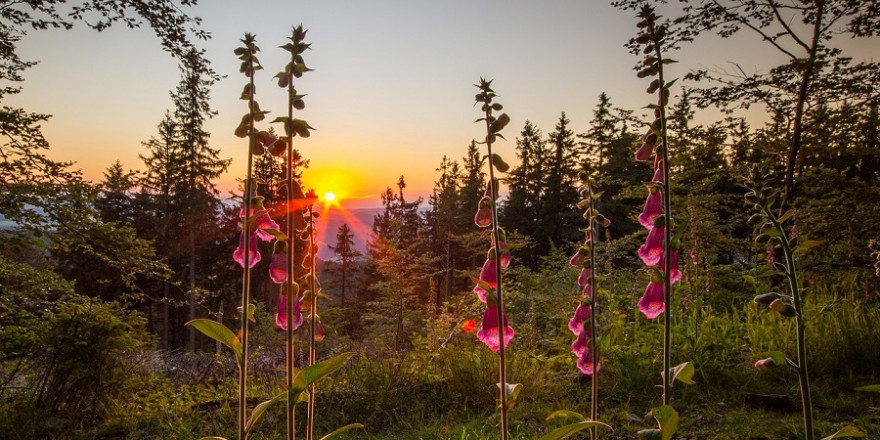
(329, 197)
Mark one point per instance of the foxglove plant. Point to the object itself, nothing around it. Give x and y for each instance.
(770, 229)
(494, 330)
(257, 224)
(660, 246)
(292, 127)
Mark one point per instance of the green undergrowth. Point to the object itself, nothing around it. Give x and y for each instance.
(444, 389)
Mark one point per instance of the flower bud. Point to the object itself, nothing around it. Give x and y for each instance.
(764, 364)
(767, 298)
(782, 307)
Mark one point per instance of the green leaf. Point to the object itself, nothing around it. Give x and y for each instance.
(667, 417)
(564, 413)
(278, 235)
(786, 216)
(870, 388)
(846, 431)
(313, 373)
(219, 333)
(684, 373)
(341, 430)
(778, 357)
(260, 409)
(574, 428)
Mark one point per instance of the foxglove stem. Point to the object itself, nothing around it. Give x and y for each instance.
(794, 290)
(496, 243)
(667, 239)
(246, 272)
(313, 323)
(594, 352)
(291, 275)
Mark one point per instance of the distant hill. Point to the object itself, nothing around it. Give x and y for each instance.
(359, 220)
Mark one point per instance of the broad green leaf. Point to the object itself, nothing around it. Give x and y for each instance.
(749, 278)
(260, 409)
(683, 373)
(871, 388)
(667, 417)
(341, 430)
(809, 244)
(313, 373)
(778, 357)
(219, 333)
(574, 428)
(846, 431)
(564, 413)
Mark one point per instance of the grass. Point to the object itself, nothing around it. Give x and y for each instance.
(436, 392)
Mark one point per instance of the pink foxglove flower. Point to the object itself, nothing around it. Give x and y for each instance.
(585, 363)
(489, 329)
(483, 217)
(588, 291)
(674, 273)
(505, 253)
(281, 317)
(581, 314)
(653, 206)
(319, 331)
(265, 222)
(646, 150)
(253, 253)
(489, 276)
(278, 268)
(659, 175)
(581, 343)
(652, 250)
(584, 276)
(578, 259)
(651, 304)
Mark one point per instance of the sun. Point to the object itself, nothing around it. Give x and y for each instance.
(329, 197)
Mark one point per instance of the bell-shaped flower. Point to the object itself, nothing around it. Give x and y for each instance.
(674, 273)
(581, 343)
(483, 217)
(489, 275)
(653, 207)
(578, 259)
(651, 303)
(319, 330)
(505, 252)
(581, 314)
(281, 317)
(264, 222)
(587, 291)
(584, 276)
(646, 150)
(585, 363)
(489, 329)
(278, 268)
(652, 250)
(659, 174)
(253, 253)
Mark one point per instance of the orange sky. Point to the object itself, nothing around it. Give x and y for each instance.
(391, 93)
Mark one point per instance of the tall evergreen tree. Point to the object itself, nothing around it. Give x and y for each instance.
(558, 221)
(527, 184)
(346, 255)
